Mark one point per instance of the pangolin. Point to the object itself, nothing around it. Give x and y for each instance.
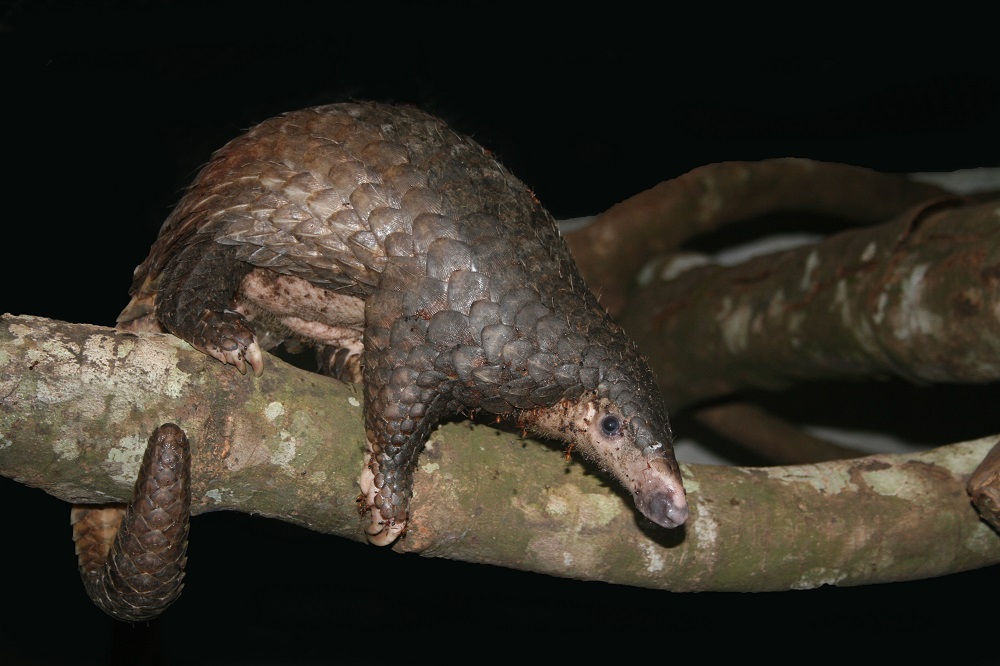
(414, 262)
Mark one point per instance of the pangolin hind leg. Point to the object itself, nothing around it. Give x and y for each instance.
(343, 363)
(132, 558)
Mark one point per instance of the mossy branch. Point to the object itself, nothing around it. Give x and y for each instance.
(77, 403)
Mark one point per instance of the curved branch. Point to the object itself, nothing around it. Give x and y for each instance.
(913, 298)
(658, 220)
(77, 403)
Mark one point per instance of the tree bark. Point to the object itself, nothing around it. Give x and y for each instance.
(77, 403)
(984, 487)
(662, 218)
(915, 297)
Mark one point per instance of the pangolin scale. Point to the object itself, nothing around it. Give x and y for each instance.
(417, 264)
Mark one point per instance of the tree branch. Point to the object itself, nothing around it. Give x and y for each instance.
(77, 403)
(660, 219)
(913, 298)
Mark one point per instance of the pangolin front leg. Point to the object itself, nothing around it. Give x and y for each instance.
(401, 407)
(196, 303)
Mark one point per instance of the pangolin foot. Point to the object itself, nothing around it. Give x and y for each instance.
(382, 530)
(228, 337)
(343, 363)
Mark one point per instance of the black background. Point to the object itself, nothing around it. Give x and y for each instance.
(110, 108)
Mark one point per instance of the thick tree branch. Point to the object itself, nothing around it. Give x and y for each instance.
(77, 403)
(913, 298)
(660, 219)
(984, 487)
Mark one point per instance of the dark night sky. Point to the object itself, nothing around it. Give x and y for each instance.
(108, 111)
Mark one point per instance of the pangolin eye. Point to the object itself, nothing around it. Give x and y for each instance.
(610, 425)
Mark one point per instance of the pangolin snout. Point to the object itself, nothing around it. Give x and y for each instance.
(664, 509)
(659, 494)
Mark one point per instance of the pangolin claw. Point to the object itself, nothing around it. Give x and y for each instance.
(383, 533)
(228, 337)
